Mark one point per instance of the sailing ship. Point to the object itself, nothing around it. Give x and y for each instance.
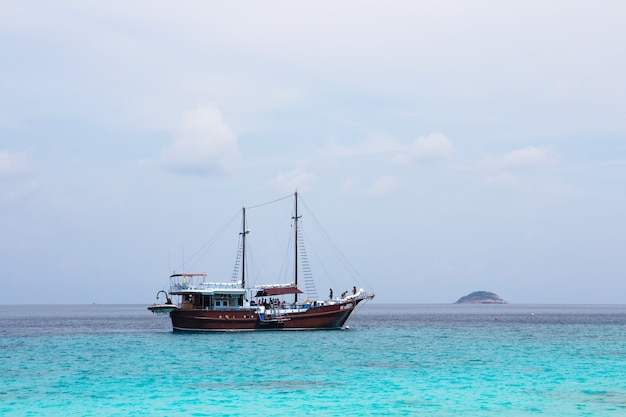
(204, 306)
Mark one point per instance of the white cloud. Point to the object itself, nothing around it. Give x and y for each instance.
(203, 143)
(434, 147)
(375, 144)
(504, 179)
(383, 185)
(13, 164)
(348, 185)
(507, 169)
(525, 158)
(431, 148)
(298, 179)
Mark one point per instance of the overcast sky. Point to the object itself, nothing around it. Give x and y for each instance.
(445, 146)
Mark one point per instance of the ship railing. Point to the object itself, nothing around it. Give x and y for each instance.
(196, 284)
(283, 308)
(180, 287)
(186, 281)
(226, 285)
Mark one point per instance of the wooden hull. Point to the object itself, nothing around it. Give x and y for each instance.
(321, 317)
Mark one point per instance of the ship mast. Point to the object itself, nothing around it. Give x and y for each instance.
(243, 234)
(295, 223)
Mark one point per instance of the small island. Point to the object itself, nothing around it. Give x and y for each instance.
(481, 297)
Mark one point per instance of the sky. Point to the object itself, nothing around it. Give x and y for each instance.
(446, 147)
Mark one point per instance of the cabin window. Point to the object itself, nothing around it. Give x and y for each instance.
(220, 301)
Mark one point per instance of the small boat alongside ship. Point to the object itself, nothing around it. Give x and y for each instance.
(203, 305)
(163, 308)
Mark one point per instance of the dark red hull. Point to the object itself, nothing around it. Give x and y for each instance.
(320, 317)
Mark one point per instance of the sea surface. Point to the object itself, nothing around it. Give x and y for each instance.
(395, 360)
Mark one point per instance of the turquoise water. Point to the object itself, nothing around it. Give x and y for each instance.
(441, 360)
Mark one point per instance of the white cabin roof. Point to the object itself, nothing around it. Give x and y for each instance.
(209, 288)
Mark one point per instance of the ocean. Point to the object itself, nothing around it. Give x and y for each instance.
(395, 360)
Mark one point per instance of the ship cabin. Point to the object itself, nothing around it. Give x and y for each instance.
(196, 294)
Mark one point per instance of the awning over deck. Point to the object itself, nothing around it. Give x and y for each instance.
(187, 275)
(278, 290)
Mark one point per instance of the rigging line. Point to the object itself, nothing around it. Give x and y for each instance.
(272, 243)
(318, 258)
(286, 264)
(270, 202)
(251, 268)
(212, 240)
(345, 259)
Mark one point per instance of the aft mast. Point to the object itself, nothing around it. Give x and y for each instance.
(295, 244)
(243, 234)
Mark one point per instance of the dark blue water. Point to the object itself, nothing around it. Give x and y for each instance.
(445, 360)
